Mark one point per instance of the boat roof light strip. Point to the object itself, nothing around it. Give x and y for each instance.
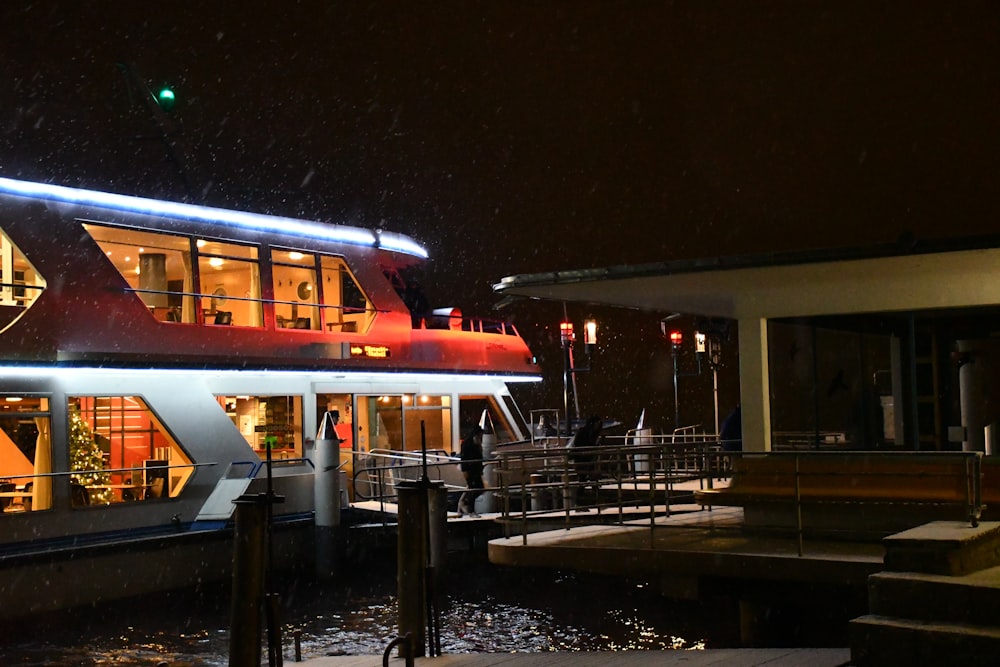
(259, 221)
(397, 377)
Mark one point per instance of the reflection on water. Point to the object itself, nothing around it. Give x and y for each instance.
(483, 609)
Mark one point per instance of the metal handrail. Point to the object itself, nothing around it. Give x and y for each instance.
(653, 468)
(413, 463)
(66, 473)
(656, 467)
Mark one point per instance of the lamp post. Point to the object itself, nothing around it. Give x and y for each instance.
(707, 344)
(676, 338)
(567, 337)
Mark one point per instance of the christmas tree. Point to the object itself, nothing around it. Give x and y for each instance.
(85, 455)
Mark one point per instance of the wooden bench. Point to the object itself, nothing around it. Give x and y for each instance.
(852, 492)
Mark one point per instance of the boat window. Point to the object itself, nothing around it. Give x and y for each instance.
(296, 294)
(263, 421)
(157, 266)
(230, 284)
(346, 307)
(394, 422)
(341, 409)
(119, 452)
(20, 284)
(473, 410)
(25, 454)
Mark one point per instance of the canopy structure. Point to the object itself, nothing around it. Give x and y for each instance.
(905, 294)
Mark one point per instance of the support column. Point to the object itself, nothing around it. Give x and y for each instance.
(755, 392)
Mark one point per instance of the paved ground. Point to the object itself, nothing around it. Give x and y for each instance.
(802, 657)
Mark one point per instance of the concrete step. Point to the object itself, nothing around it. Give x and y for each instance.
(971, 599)
(880, 640)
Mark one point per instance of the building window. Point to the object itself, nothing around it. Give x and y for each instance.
(25, 454)
(120, 452)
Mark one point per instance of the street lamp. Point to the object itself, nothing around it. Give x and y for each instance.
(676, 338)
(567, 337)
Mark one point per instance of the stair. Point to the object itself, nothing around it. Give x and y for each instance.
(950, 615)
(880, 640)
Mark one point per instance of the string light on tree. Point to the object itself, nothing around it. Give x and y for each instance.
(85, 455)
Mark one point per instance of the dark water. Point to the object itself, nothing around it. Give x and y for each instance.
(483, 608)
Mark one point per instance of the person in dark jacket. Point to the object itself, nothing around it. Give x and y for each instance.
(471, 453)
(584, 456)
(731, 433)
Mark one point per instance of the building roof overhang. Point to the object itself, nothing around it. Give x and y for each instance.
(901, 277)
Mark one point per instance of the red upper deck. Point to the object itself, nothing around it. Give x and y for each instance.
(92, 278)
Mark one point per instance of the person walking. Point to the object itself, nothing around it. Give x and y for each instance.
(584, 456)
(471, 454)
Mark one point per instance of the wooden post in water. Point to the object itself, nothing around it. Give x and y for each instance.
(423, 526)
(249, 561)
(412, 550)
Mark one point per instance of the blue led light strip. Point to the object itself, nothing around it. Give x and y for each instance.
(330, 232)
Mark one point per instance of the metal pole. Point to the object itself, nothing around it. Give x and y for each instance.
(677, 403)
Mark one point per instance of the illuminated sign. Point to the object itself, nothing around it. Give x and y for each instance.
(370, 351)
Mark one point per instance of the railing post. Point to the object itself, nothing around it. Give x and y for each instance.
(524, 514)
(798, 504)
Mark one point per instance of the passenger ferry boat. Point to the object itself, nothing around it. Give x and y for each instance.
(151, 352)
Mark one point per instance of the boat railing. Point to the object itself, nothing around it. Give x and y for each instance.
(381, 470)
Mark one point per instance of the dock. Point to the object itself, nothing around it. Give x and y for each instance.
(691, 543)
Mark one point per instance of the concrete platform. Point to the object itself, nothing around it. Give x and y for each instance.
(691, 544)
(813, 657)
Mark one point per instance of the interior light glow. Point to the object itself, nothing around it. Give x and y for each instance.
(215, 262)
(590, 332)
(14, 399)
(295, 255)
(223, 217)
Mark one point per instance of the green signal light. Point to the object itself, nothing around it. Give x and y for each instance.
(165, 98)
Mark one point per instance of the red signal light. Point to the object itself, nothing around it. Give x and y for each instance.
(566, 332)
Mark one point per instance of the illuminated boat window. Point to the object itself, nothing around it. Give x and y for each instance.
(230, 284)
(25, 455)
(296, 293)
(119, 452)
(263, 421)
(471, 409)
(157, 266)
(20, 284)
(348, 307)
(394, 422)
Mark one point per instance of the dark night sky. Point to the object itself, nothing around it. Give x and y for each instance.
(513, 137)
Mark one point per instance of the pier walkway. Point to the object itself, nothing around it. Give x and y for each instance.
(693, 543)
(749, 657)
